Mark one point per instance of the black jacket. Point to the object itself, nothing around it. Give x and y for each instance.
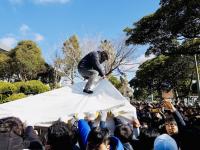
(187, 137)
(92, 60)
(12, 141)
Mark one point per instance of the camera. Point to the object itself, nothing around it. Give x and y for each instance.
(155, 110)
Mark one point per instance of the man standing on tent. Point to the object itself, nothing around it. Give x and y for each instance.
(90, 68)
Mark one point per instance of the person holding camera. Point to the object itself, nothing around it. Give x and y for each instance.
(186, 137)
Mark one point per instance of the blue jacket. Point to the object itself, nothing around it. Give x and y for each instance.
(84, 130)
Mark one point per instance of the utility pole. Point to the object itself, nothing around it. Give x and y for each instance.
(197, 73)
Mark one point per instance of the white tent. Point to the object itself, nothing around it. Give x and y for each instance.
(66, 101)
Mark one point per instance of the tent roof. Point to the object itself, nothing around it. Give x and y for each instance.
(64, 102)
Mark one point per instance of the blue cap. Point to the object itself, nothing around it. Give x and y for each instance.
(165, 142)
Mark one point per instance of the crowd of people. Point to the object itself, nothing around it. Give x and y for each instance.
(161, 126)
(158, 126)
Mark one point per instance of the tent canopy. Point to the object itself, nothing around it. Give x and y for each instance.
(67, 101)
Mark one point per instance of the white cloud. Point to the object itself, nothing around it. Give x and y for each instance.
(4, 47)
(26, 32)
(38, 37)
(10, 40)
(142, 58)
(7, 42)
(89, 43)
(24, 29)
(130, 66)
(133, 65)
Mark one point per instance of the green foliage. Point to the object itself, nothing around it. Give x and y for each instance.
(48, 75)
(140, 94)
(23, 63)
(19, 85)
(7, 87)
(5, 71)
(166, 30)
(31, 87)
(173, 30)
(27, 60)
(14, 96)
(54, 86)
(2, 98)
(17, 90)
(177, 70)
(116, 82)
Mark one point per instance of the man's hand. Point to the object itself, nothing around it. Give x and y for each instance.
(103, 115)
(136, 123)
(103, 77)
(168, 105)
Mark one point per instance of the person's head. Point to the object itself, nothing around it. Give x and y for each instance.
(147, 137)
(11, 132)
(165, 86)
(171, 126)
(124, 133)
(104, 56)
(12, 124)
(165, 142)
(98, 139)
(167, 90)
(58, 136)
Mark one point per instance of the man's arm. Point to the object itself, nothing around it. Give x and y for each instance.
(32, 138)
(84, 130)
(96, 63)
(177, 116)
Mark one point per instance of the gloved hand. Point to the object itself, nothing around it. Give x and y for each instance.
(103, 115)
(79, 116)
(90, 116)
(103, 77)
(114, 113)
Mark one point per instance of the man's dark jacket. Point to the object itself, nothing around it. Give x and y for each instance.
(11, 141)
(92, 61)
(187, 137)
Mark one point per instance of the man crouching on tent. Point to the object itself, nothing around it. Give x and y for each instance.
(90, 68)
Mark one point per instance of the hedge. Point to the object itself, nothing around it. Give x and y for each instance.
(7, 88)
(14, 97)
(8, 91)
(31, 87)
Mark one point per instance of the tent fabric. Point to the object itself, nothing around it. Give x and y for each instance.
(65, 102)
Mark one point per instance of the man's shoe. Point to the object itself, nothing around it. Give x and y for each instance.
(88, 91)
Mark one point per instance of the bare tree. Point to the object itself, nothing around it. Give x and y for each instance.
(71, 57)
(66, 61)
(120, 55)
(89, 44)
(57, 62)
